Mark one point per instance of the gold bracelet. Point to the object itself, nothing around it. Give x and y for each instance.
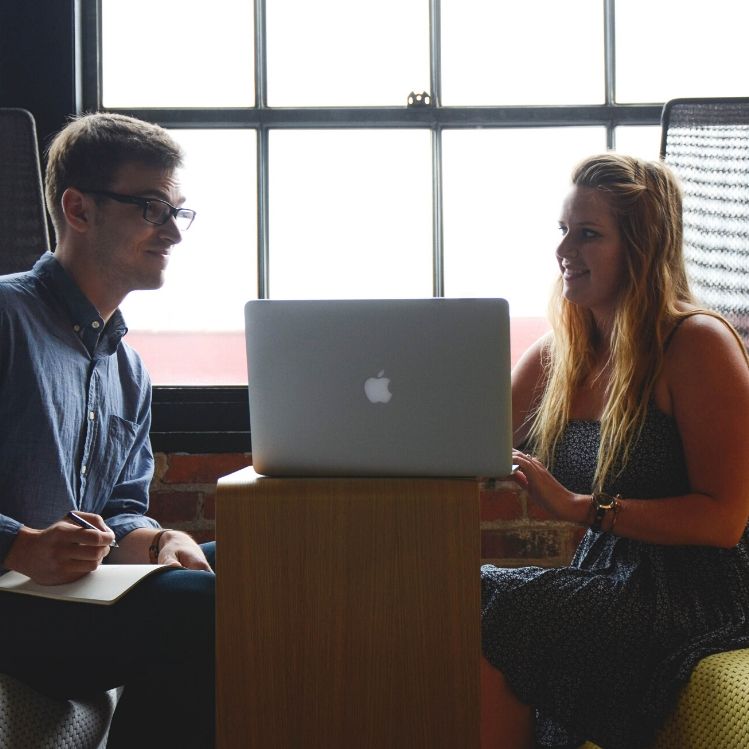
(153, 549)
(602, 503)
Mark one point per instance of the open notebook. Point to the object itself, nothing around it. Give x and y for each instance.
(415, 387)
(105, 585)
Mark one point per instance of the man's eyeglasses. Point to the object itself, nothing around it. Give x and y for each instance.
(155, 210)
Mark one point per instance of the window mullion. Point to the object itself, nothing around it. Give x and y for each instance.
(261, 56)
(263, 214)
(609, 51)
(435, 51)
(438, 252)
(88, 94)
(435, 73)
(263, 165)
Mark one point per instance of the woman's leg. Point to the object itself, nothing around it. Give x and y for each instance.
(506, 723)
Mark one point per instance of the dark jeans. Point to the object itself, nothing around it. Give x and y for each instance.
(158, 641)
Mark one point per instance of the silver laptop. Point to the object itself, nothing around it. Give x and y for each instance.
(415, 387)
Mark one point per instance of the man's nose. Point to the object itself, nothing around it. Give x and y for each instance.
(171, 230)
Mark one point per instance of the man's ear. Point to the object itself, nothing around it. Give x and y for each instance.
(76, 207)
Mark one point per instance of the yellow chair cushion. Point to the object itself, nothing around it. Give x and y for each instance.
(713, 708)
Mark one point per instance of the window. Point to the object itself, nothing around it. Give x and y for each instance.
(667, 49)
(316, 174)
(522, 53)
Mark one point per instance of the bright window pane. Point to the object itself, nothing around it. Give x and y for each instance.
(189, 332)
(670, 48)
(642, 141)
(346, 52)
(503, 195)
(350, 214)
(177, 53)
(530, 52)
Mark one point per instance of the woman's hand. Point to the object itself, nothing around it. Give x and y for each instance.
(548, 493)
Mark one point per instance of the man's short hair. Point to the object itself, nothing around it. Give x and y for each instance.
(91, 148)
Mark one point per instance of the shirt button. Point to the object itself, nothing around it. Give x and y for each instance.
(77, 328)
(83, 470)
(95, 324)
(91, 415)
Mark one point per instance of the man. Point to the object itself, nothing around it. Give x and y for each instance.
(74, 423)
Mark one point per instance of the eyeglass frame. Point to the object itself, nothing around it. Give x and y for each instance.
(144, 204)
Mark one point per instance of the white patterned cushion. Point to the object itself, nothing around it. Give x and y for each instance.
(31, 719)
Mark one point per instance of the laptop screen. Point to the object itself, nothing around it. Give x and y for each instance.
(414, 387)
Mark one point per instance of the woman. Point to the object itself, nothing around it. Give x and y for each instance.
(633, 418)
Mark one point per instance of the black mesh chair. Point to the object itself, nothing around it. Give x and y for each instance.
(27, 717)
(23, 223)
(706, 142)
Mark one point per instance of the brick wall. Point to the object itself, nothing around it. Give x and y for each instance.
(183, 490)
(514, 531)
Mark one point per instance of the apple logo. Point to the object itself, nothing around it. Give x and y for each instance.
(377, 389)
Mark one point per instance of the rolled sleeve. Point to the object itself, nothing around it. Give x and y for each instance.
(8, 530)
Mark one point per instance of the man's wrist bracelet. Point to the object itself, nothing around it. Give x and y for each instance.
(153, 549)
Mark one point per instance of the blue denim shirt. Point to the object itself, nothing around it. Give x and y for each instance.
(75, 409)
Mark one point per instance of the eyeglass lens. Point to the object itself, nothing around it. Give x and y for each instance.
(159, 213)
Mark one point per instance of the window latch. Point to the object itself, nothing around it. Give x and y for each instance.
(423, 99)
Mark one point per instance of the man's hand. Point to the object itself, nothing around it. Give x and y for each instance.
(61, 553)
(178, 549)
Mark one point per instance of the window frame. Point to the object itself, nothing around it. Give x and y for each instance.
(212, 425)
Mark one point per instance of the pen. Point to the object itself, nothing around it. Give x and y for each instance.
(85, 524)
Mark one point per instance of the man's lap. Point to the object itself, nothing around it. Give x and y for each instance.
(73, 648)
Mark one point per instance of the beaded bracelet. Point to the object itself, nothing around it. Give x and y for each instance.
(617, 507)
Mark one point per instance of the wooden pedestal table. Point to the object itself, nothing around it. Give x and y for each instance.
(347, 613)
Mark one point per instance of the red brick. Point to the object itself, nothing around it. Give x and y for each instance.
(517, 543)
(203, 469)
(501, 504)
(536, 512)
(577, 535)
(204, 535)
(209, 507)
(174, 507)
(161, 464)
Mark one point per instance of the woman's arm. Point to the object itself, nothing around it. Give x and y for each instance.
(706, 383)
(706, 378)
(527, 387)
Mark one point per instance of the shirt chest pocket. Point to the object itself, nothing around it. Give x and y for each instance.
(111, 460)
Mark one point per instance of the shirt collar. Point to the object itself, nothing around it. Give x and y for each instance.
(85, 319)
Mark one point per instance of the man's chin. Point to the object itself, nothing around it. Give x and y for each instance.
(151, 282)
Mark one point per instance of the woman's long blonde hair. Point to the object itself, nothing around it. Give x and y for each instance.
(646, 201)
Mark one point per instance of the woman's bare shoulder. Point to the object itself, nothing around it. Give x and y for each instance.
(532, 363)
(705, 356)
(528, 382)
(702, 330)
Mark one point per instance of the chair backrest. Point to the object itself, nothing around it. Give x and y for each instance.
(706, 142)
(23, 221)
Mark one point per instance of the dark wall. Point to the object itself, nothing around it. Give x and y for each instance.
(37, 61)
